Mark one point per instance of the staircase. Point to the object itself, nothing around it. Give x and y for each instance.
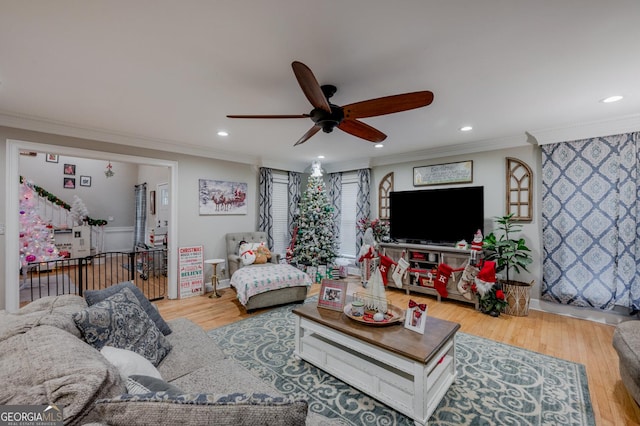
(61, 220)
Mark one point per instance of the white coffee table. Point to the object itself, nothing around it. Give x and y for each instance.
(405, 370)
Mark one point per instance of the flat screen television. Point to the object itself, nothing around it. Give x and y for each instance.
(436, 216)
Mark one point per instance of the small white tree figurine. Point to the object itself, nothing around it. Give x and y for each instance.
(79, 211)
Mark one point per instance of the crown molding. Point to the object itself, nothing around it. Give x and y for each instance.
(42, 125)
(466, 148)
(587, 130)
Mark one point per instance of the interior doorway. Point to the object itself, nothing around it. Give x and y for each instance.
(163, 207)
(12, 206)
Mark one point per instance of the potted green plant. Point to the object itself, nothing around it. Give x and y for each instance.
(510, 253)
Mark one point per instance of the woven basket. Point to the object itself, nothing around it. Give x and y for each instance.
(518, 296)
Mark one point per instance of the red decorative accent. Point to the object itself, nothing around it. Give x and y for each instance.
(421, 306)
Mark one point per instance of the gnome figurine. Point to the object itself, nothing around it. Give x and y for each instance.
(486, 278)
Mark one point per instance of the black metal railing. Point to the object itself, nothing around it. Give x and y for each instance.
(146, 268)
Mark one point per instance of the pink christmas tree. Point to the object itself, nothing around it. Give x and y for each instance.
(36, 236)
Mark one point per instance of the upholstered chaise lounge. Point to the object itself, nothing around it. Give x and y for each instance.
(274, 297)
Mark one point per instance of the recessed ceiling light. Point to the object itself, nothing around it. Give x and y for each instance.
(466, 128)
(611, 99)
(223, 133)
(378, 145)
(321, 156)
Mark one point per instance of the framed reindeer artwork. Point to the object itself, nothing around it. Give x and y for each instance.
(218, 197)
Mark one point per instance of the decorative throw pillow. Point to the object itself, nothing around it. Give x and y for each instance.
(120, 321)
(137, 384)
(129, 363)
(46, 365)
(247, 253)
(94, 296)
(235, 409)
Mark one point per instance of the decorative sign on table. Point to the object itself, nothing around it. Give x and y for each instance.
(415, 318)
(191, 268)
(438, 174)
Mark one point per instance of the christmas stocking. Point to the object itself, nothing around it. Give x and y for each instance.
(442, 277)
(466, 280)
(399, 271)
(385, 264)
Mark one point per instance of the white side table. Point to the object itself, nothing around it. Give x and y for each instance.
(214, 278)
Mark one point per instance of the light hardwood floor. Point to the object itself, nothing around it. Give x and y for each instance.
(563, 337)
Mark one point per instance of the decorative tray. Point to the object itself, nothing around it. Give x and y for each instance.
(394, 315)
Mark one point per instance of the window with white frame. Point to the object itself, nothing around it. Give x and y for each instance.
(348, 209)
(279, 205)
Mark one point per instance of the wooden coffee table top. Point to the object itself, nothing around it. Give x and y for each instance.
(394, 338)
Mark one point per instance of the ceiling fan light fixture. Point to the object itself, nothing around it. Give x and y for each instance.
(327, 116)
(611, 99)
(466, 128)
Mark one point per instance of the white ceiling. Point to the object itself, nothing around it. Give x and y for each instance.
(164, 74)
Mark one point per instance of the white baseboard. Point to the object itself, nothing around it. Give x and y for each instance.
(612, 317)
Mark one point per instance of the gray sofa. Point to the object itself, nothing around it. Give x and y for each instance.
(626, 341)
(46, 361)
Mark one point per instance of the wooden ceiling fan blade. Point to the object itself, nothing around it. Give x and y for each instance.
(312, 131)
(310, 86)
(269, 116)
(362, 130)
(388, 105)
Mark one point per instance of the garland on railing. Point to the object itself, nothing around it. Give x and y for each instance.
(58, 202)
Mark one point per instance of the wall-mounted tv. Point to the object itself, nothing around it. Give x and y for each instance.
(436, 216)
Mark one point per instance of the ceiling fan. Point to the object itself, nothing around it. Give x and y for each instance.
(327, 116)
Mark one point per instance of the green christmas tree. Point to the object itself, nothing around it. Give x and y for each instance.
(315, 242)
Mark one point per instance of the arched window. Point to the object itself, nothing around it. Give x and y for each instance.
(519, 190)
(384, 189)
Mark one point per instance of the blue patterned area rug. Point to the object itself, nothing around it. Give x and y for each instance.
(497, 384)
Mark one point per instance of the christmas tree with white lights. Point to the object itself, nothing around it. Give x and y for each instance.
(79, 212)
(36, 236)
(315, 242)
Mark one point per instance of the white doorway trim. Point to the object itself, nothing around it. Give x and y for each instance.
(12, 177)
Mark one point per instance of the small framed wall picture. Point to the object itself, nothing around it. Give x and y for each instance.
(333, 294)
(442, 174)
(52, 158)
(85, 180)
(70, 169)
(416, 317)
(69, 183)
